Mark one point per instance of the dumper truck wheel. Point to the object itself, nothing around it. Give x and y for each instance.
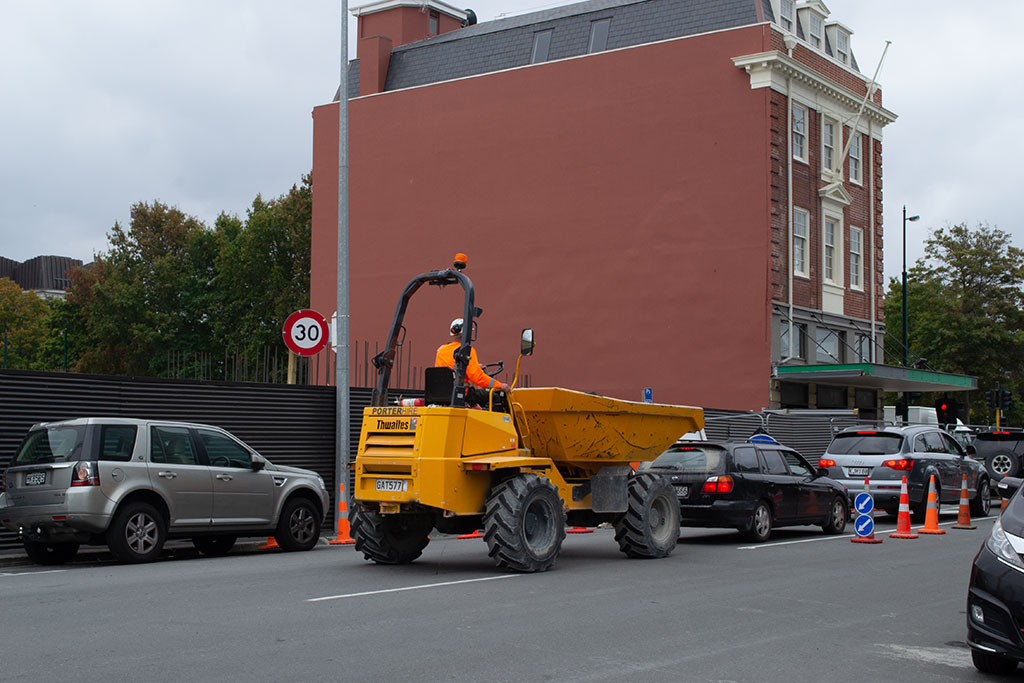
(524, 524)
(390, 539)
(650, 525)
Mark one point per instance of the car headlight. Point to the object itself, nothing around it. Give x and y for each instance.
(999, 544)
(321, 481)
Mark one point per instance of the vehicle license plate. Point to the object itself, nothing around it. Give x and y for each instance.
(858, 471)
(682, 491)
(392, 485)
(35, 478)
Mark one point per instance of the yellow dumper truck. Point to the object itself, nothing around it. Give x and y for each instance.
(520, 469)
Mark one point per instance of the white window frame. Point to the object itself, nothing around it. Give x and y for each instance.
(856, 158)
(788, 22)
(842, 55)
(831, 250)
(800, 241)
(817, 41)
(800, 149)
(828, 147)
(856, 258)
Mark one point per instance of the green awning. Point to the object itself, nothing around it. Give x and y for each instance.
(884, 377)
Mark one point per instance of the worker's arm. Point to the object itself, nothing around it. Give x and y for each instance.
(476, 375)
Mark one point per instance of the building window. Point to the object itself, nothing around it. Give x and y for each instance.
(843, 46)
(800, 221)
(828, 143)
(541, 45)
(830, 239)
(855, 157)
(856, 258)
(817, 30)
(434, 18)
(786, 14)
(599, 35)
(799, 343)
(799, 132)
(862, 348)
(827, 348)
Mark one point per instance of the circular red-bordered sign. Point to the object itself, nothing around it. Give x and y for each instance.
(306, 332)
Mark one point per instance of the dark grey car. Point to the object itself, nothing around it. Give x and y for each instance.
(132, 484)
(886, 455)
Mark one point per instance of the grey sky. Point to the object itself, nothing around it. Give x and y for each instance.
(203, 105)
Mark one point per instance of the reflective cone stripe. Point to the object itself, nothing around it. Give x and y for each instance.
(870, 538)
(963, 518)
(903, 529)
(342, 519)
(931, 517)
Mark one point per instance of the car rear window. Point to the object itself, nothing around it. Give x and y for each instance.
(54, 444)
(691, 459)
(873, 443)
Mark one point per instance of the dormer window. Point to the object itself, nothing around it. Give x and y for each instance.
(839, 39)
(843, 47)
(786, 14)
(816, 31)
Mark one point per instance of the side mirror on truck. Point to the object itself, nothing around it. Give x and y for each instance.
(526, 347)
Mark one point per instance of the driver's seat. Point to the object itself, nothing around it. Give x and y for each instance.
(438, 385)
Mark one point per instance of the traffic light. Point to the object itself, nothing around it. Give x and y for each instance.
(1005, 397)
(946, 410)
(990, 398)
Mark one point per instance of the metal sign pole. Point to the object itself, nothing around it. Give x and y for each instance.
(341, 381)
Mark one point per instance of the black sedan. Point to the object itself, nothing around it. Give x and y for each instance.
(995, 596)
(753, 487)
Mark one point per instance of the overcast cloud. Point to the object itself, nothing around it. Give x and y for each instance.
(203, 105)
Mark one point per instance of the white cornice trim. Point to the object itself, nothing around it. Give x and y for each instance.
(381, 5)
(770, 70)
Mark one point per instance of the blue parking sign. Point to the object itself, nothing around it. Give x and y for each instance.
(864, 526)
(648, 394)
(863, 503)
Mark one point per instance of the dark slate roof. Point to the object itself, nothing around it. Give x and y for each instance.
(508, 42)
(41, 272)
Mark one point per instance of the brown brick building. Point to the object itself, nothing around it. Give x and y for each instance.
(677, 194)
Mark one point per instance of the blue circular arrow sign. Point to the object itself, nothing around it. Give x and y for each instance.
(863, 503)
(864, 525)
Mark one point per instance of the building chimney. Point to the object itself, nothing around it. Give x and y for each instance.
(389, 23)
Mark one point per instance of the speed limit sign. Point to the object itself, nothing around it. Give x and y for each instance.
(306, 332)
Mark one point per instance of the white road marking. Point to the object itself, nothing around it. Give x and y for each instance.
(959, 658)
(412, 588)
(836, 538)
(45, 571)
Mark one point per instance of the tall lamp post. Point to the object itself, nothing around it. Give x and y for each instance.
(905, 339)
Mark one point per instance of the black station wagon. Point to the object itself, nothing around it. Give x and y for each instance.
(753, 487)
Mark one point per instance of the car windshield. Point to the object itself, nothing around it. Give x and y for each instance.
(53, 444)
(866, 443)
(690, 459)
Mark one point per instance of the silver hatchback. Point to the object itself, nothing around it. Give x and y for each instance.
(132, 484)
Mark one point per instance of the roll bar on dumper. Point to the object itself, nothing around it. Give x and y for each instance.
(518, 473)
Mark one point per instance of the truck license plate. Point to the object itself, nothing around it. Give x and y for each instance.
(392, 484)
(35, 478)
(682, 491)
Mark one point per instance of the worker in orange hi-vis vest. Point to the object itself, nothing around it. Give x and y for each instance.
(475, 374)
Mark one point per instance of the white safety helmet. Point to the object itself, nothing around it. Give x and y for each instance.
(456, 327)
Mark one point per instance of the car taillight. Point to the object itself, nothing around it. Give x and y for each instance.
(901, 464)
(718, 484)
(825, 462)
(85, 473)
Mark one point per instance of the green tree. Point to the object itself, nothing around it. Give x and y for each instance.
(964, 300)
(22, 326)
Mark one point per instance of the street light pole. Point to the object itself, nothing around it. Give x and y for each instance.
(906, 344)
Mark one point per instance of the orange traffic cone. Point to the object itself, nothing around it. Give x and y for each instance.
(963, 518)
(270, 544)
(476, 534)
(579, 530)
(931, 516)
(870, 538)
(341, 520)
(903, 529)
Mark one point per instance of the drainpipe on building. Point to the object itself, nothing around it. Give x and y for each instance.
(871, 221)
(790, 44)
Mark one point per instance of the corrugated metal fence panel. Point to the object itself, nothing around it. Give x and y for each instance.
(289, 424)
(808, 434)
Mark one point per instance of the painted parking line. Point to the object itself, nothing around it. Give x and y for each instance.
(45, 571)
(846, 536)
(411, 588)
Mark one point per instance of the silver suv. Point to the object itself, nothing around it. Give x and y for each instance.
(132, 484)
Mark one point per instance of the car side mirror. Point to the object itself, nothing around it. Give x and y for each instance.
(526, 346)
(1007, 486)
(971, 450)
(821, 472)
(258, 462)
